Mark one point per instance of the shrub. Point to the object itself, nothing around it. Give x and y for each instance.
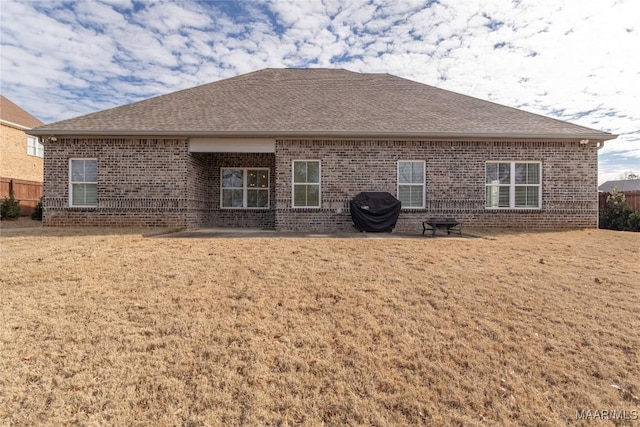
(9, 208)
(37, 211)
(616, 213)
(634, 221)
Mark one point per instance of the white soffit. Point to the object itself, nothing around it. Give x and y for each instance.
(232, 145)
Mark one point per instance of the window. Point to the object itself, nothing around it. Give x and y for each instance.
(83, 182)
(244, 188)
(34, 148)
(411, 183)
(514, 185)
(306, 183)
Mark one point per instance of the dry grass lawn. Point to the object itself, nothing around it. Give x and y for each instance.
(113, 327)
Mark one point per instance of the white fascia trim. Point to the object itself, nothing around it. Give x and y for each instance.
(13, 125)
(236, 145)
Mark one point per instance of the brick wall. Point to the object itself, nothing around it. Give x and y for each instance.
(253, 218)
(149, 182)
(455, 174)
(157, 182)
(141, 182)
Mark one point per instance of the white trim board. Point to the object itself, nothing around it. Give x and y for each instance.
(232, 145)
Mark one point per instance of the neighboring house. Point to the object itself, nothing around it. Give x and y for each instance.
(623, 185)
(288, 148)
(21, 156)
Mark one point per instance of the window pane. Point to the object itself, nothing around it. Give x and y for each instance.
(521, 173)
(232, 198)
(416, 196)
(77, 191)
(306, 195)
(313, 195)
(258, 178)
(404, 195)
(263, 179)
(533, 199)
(232, 178)
(503, 201)
(300, 195)
(263, 198)
(411, 196)
(90, 194)
(257, 198)
(404, 173)
(492, 173)
(521, 196)
(252, 178)
(90, 170)
(236, 198)
(533, 173)
(527, 173)
(252, 198)
(504, 173)
(313, 172)
(497, 197)
(77, 170)
(526, 197)
(299, 171)
(417, 172)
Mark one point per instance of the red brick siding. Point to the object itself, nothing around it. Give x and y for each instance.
(454, 181)
(141, 182)
(253, 218)
(158, 182)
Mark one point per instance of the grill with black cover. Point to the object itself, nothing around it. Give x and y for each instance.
(374, 211)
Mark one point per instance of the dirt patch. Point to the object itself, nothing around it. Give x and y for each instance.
(111, 327)
(20, 222)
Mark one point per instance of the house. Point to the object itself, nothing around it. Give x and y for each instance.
(287, 149)
(21, 156)
(623, 185)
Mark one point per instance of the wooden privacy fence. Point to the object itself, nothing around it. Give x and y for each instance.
(27, 192)
(633, 199)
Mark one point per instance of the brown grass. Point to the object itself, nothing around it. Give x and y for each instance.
(109, 327)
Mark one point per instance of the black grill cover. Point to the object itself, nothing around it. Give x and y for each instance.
(374, 211)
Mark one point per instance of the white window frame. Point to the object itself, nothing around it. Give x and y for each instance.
(245, 189)
(512, 185)
(71, 182)
(293, 183)
(412, 184)
(34, 147)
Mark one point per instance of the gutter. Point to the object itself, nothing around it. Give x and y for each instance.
(47, 133)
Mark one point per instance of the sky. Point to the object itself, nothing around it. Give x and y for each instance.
(574, 60)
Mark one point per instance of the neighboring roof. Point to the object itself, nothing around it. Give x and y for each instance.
(622, 185)
(11, 114)
(318, 102)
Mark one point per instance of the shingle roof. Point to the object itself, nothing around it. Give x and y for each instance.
(621, 185)
(274, 102)
(10, 112)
